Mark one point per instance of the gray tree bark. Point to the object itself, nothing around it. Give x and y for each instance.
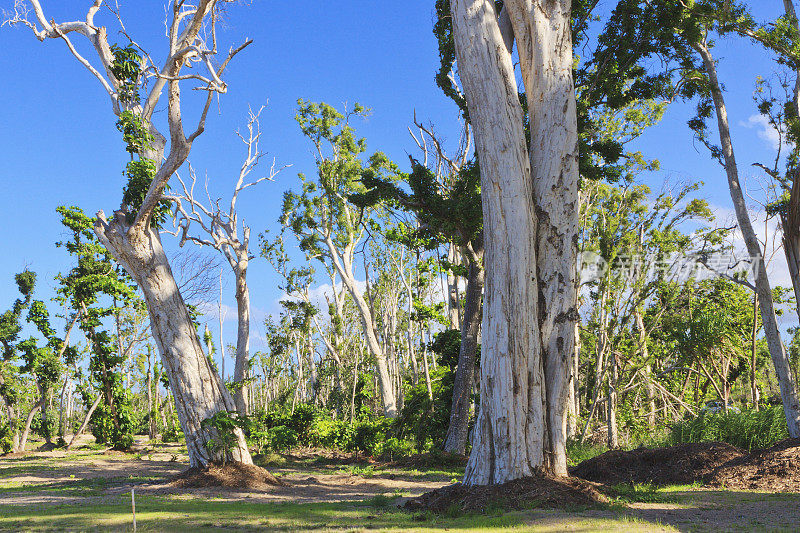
(456, 438)
(198, 391)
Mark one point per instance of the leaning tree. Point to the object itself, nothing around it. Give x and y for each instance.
(135, 83)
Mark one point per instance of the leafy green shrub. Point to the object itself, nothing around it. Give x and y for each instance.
(425, 420)
(368, 434)
(747, 429)
(330, 433)
(394, 447)
(42, 429)
(224, 426)
(173, 432)
(6, 438)
(105, 429)
(280, 438)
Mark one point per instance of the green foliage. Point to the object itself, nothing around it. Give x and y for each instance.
(44, 424)
(747, 429)
(142, 168)
(421, 419)
(579, 451)
(97, 288)
(7, 431)
(222, 425)
(280, 438)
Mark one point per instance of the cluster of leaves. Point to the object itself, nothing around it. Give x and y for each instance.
(10, 328)
(746, 429)
(140, 170)
(222, 425)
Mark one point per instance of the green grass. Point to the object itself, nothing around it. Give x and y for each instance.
(78, 487)
(577, 451)
(380, 513)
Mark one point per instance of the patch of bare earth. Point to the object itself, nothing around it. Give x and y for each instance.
(675, 465)
(60, 477)
(541, 490)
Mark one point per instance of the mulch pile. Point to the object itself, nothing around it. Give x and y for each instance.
(676, 465)
(715, 464)
(775, 469)
(230, 476)
(541, 491)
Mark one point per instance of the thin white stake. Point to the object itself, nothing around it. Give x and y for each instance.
(133, 507)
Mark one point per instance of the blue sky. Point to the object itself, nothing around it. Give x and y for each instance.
(59, 145)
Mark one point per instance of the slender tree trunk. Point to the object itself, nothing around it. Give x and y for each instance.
(791, 405)
(85, 422)
(753, 382)
(345, 270)
(23, 440)
(456, 439)
(575, 409)
(152, 429)
(242, 339)
(198, 391)
(62, 407)
(648, 373)
(611, 403)
(453, 297)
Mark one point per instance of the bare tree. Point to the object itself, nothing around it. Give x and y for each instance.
(129, 234)
(224, 232)
(194, 272)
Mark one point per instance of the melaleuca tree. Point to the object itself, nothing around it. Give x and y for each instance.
(642, 240)
(532, 149)
(97, 289)
(11, 387)
(699, 21)
(135, 86)
(446, 202)
(328, 228)
(43, 361)
(706, 330)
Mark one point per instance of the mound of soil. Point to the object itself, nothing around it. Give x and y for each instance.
(230, 476)
(775, 469)
(676, 465)
(541, 491)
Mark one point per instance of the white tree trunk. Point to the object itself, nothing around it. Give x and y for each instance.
(544, 44)
(345, 271)
(530, 209)
(791, 406)
(510, 431)
(197, 389)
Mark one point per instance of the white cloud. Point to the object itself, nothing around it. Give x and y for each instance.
(766, 131)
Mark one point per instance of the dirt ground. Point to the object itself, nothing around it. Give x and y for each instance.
(90, 476)
(61, 476)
